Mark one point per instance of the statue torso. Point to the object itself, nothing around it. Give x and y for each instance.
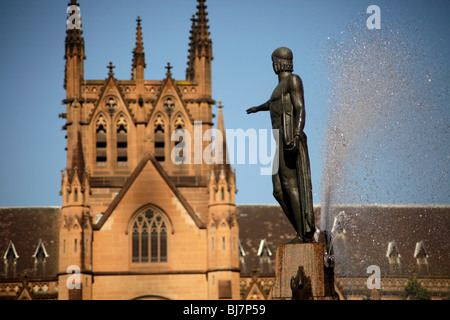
(279, 102)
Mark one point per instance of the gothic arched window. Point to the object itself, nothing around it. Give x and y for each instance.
(149, 237)
(101, 141)
(122, 140)
(40, 256)
(159, 139)
(10, 260)
(179, 123)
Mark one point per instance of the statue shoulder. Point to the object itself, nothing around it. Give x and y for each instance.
(295, 81)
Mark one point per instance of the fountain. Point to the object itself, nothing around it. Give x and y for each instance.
(387, 132)
(385, 143)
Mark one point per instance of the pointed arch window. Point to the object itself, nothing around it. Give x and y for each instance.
(10, 260)
(101, 141)
(135, 243)
(122, 141)
(265, 257)
(392, 253)
(223, 243)
(420, 253)
(212, 229)
(180, 124)
(242, 255)
(40, 256)
(149, 237)
(159, 139)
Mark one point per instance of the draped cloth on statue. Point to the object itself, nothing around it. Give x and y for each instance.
(305, 187)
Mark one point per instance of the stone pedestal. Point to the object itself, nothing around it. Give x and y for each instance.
(311, 274)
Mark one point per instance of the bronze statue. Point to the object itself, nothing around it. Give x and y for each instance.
(292, 182)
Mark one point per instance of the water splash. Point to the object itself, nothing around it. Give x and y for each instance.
(388, 130)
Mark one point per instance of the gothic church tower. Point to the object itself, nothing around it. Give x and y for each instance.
(75, 220)
(128, 208)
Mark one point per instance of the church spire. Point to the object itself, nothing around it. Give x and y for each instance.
(74, 53)
(74, 39)
(220, 147)
(203, 39)
(138, 64)
(222, 168)
(191, 56)
(200, 51)
(201, 44)
(74, 78)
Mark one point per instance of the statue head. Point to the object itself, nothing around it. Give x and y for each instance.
(282, 60)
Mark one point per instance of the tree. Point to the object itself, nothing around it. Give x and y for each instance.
(414, 291)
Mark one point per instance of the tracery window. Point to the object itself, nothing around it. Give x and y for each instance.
(180, 124)
(122, 140)
(101, 141)
(159, 139)
(149, 237)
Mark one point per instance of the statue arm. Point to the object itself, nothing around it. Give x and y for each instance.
(263, 107)
(296, 92)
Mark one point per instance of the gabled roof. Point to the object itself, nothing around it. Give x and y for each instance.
(384, 234)
(149, 158)
(254, 292)
(374, 233)
(24, 293)
(261, 226)
(166, 84)
(117, 89)
(26, 227)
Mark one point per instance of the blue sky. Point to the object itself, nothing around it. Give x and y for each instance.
(244, 34)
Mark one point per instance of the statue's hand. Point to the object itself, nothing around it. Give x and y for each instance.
(252, 110)
(296, 143)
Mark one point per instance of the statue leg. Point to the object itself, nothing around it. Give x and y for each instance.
(293, 197)
(287, 175)
(287, 193)
(279, 195)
